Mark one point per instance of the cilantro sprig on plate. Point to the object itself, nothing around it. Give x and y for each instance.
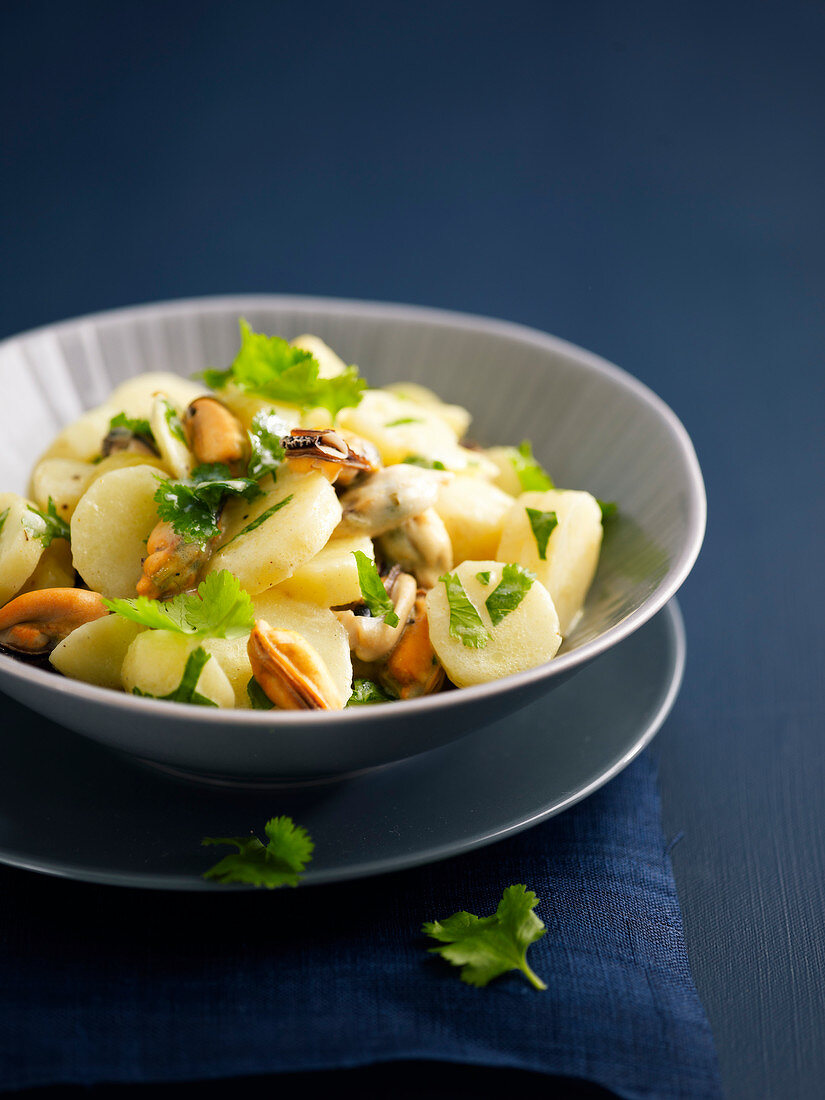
(271, 367)
(192, 506)
(279, 862)
(221, 609)
(486, 947)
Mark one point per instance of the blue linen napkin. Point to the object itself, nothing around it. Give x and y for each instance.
(105, 984)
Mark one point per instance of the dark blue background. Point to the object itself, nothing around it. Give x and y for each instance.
(645, 179)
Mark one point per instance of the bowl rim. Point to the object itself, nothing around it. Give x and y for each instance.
(443, 702)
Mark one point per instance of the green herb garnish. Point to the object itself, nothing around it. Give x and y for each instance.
(135, 425)
(530, 473)
(265, 440)
(514, 585)
(425, 463)
(221, 609)
(192, 506)
(403, 420)
(609, 508)
(280, 862)
(465, 621)
(543, 525)
(483, 578)
(257, 696)
(262, 518)
(486, 947)
(271, 367)
(173, 422)
(372, 589)
(365, 692)
(45, 526)
(185, 691)
(4, 515)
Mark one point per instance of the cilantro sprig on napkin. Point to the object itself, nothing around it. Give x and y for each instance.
(486, 947)
(279, 862)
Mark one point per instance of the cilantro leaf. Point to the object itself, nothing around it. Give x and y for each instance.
(426, 463)
(4, 515)
(465, 621)
(278, 863)
(45, 526)
(271, 367)
(543, 525)
(257, 696)
(221, 609)
(192, 506)
(173, 422)
(136, 425)
(403, 420)
(530, 474)
(261, 518)
(185, 691)
(372, 589)
(609, 508)
(486, 947)
(265, 441)
(365, 692)
(514, 585)
(483, 578)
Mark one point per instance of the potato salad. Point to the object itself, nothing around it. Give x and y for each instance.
(278, 535)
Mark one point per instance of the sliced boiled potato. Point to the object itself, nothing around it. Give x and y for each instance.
(110, 526)
(65, 480)
(82, 439)
(134, 396)
(572, 552)
(54, 569)
(400, 428)
(457, 417)
(526, 637)
(155, 663)
(329, 363)
(506, 477)
(19, 550)
(330, 579)
(167, 429)
(231, 655)
(246, 405)
(95, 651)
(265, 541)
(473, 512)
(320, 628)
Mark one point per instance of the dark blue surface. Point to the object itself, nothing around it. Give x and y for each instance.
(153, 987)
(643, 179)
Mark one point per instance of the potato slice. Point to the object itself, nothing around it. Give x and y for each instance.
(82, 439)
(262, 552)
(506, 477)
(54, 570)
(320, 628)
(526, 637)
(110, 526)
(169, 436)
(473, 512)
(246, 405)
(457, 417)
(231, 655)
(155, 663)
(65, 480)
(400, 428)
(134, 396)
(95, 651)
(19, 551)
(330, 579)
(572, 552)
(329, 363)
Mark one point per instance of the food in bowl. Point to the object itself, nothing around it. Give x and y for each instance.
(275, 534)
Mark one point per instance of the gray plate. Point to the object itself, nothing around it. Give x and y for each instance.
(69, 807)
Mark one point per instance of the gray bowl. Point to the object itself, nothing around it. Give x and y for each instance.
(592, 425)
